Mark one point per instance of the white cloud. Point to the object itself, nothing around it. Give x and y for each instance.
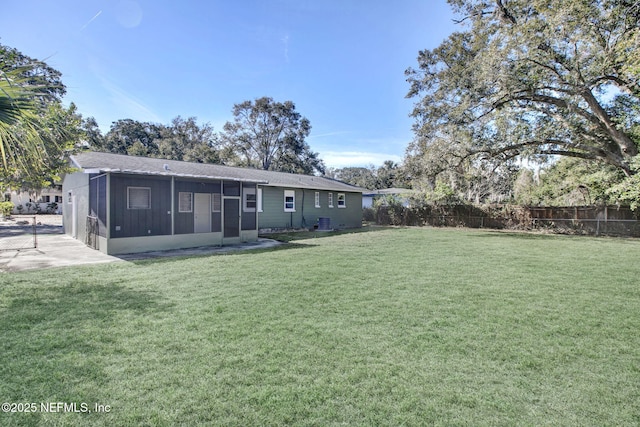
(341, 159)
(361, 148)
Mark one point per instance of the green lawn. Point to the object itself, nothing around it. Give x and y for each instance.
(385, 327)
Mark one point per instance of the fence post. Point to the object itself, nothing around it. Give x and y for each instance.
(35, 234)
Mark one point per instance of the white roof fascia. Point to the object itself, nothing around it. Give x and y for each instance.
(179, 175)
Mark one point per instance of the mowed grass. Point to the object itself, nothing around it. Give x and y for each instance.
(386, 327)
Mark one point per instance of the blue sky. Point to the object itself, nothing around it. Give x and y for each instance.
(341, 62)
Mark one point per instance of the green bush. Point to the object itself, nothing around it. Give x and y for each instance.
(628, 191)
(368, 214)
(6, 208)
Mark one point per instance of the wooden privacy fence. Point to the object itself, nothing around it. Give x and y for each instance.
(591, 220)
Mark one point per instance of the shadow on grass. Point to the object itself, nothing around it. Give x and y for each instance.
(176, 256)
(526, 235)
(305, 235)
(55, 339)
(287, 242)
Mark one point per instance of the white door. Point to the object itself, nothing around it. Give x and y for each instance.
(202, 213)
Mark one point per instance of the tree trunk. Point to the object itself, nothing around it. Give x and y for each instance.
(627, 146)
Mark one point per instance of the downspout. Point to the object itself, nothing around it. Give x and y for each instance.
(173, 204)
(108, 201)
(303, 222)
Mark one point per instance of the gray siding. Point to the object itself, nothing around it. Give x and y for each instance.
(249, 219)
(140, 222)
(306, 214)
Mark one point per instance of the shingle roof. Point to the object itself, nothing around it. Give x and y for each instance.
(118, 163)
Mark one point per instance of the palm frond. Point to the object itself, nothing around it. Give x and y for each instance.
(23, 137)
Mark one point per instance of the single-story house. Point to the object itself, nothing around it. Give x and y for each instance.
(401, 194)
(124, 204)
(47, 200)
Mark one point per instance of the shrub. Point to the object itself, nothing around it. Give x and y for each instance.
(52, 207)
(6, 208)
(368, 214)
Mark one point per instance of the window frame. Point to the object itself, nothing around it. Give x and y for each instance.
(292, 195)
(317, 199)
(330, 197)
(342, 200)
(216, 201)
(136, 208)
(246, 192)
(180, 205)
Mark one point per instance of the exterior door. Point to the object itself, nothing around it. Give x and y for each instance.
(202, 213)
(231, 218)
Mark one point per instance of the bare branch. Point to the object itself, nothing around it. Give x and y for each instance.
(504, 14)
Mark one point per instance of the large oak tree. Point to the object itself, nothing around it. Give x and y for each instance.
(270, 135)
(183, 139)
(530, 79)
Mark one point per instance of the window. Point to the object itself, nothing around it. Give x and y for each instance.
(330, 200)
(317, 199)
(185, 202)
(69, 197)
(45, 199)
(259, 199)
(216, 202)
(250, 201)
(289, 201)
(138, 198)
(342, 200)
(58, 199)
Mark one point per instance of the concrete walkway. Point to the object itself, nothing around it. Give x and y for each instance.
(54, 250)
(59, 250)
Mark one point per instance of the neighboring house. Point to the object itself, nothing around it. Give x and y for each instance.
(124, 204)
(401, 194)
(46, 200)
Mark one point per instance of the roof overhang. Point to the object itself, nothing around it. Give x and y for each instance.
(315, 187)
(170, 174)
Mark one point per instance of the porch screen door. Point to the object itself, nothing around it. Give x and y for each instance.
(231, 217)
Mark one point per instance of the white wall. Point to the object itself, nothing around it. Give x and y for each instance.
(35, 198)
